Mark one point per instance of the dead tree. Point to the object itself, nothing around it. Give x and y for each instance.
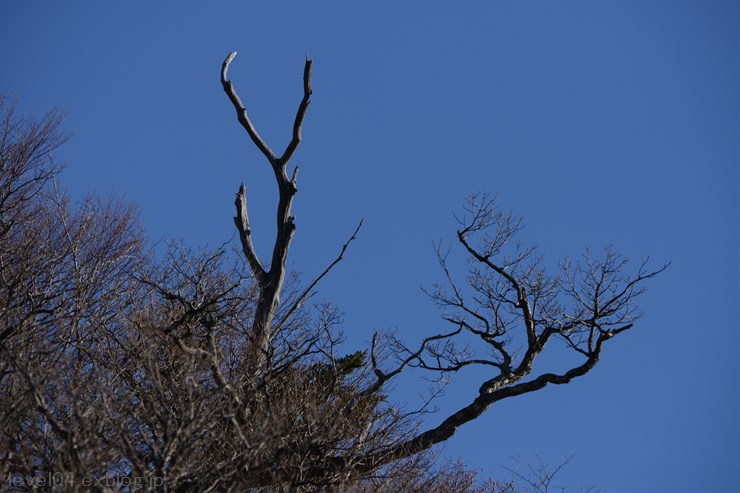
(198, 372)
(270, 279)
(510, 307)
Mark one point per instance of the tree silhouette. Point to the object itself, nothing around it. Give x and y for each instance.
(208, 371)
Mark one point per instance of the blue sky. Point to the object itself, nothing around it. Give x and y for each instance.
(600, 122)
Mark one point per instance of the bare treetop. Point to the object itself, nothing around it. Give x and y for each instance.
(201, 372)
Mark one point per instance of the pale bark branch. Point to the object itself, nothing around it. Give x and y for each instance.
(270, 282)
(241, 111)
(245, 236)
(300, 115)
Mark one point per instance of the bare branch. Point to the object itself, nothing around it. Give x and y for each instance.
(241, 111)
(307, 292)
(300, 115)
(191, 371)
(245, 236)
(270, 281)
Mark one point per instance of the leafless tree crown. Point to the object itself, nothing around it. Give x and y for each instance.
(205, 371)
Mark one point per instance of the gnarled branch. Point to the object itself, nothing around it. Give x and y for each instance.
(270, 282)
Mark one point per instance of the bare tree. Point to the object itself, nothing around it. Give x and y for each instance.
(269, 280)
(208, 371)
(511, 300)
(63, 293)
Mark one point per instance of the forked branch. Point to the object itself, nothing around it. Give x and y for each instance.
(270, 281)
(511, 307)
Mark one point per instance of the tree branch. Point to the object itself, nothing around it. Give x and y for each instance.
(522, 302)
(472, 411)
(245, 236)
(270, 282)
(300, 115)
(307, 292)
(241, 111)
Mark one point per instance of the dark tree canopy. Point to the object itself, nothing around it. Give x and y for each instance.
(211, 371)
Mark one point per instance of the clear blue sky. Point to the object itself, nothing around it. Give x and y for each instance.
(600, 122)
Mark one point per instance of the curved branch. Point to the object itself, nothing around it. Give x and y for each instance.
(522, 302)
(300, 115)
(241, 111)
(485, 399)
(245, 236)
